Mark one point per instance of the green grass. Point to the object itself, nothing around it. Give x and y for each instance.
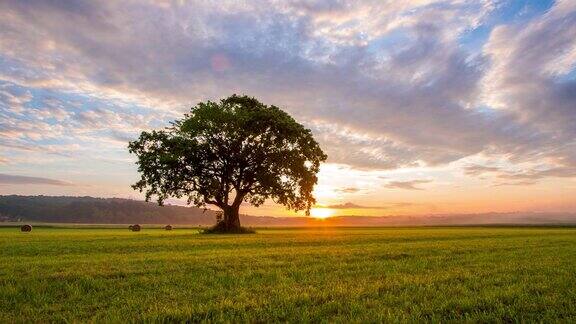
(297, 275)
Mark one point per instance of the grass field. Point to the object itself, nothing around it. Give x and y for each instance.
(376, 274)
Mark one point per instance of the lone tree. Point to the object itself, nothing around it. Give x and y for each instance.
(223, 154)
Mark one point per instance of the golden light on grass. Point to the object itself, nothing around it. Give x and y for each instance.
(321, 213)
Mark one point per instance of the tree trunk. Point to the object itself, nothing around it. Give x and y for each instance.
(231, 218)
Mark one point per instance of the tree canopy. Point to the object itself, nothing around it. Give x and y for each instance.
(237, 150)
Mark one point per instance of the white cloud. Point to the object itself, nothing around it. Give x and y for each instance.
(383, 84)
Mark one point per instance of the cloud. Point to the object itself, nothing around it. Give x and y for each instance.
(476, 170)
(517, 183)
(25, 180)
(380, 91)
(312, 60)
(69, 126)
(348, 190)
(559, 172)
(529, 76)
(351, 205)
(408, 185)
(524, 174)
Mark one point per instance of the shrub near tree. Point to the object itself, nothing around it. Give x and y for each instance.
(223, 154)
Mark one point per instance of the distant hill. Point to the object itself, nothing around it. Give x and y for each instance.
(90, 210)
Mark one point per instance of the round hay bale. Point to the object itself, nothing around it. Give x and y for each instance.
(168, 227)
(136, 228)
(26, 228)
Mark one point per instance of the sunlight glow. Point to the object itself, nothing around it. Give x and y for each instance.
(321, 212)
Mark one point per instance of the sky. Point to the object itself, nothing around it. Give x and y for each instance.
(422, 106)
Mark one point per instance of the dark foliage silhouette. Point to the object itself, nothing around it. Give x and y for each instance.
(89, 210)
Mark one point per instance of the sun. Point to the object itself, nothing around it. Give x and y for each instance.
(321, 212)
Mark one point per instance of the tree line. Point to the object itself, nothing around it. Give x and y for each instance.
(90, 210)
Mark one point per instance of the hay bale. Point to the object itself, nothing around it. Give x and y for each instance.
(136, 228)
(168, 227)
(26, 228)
